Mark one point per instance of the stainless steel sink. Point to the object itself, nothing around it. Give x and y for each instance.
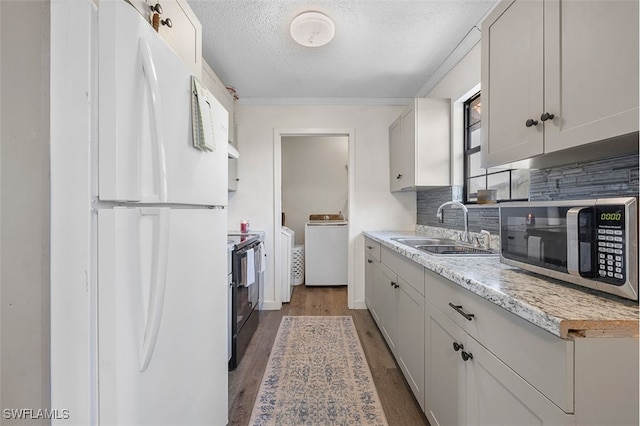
(414, 242)
(444, 247)
(457, 250)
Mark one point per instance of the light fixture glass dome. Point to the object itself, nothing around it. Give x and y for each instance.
(312, 29)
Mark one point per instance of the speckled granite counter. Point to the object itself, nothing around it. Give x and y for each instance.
(562, 309)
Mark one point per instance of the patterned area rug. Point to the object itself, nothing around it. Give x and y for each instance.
(317, 375)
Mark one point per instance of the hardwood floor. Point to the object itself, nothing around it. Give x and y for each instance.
(399, 405)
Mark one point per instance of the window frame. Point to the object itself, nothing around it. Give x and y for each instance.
(467, 152)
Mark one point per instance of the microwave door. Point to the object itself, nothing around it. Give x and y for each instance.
(580, 242)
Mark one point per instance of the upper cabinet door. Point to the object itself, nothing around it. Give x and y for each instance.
(408, 147)
(395, 156)
(557, 74)
(591, 71)
(146, 151)
(178, 25)
(419, 145)
(512, 82)
(184, 34)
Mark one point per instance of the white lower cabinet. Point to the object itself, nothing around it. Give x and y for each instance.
(444, 370)
(467, 385)
(370, 293)
(470, 362)
(497, 395)
(410, 337)
(385, 281)
(398, 309)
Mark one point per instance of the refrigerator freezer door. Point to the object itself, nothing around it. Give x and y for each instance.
(146, 151)
(162, 316)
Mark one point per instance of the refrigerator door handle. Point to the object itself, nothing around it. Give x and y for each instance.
(158, 284)
(151, 77)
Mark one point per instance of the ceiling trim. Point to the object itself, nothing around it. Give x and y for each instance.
(468, 42)
(326, 101)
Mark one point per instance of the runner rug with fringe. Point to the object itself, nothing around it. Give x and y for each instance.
(317, 375)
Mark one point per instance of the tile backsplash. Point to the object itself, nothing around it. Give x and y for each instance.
(479, 217)
(611, 177)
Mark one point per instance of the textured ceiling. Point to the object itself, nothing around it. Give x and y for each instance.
(382, 49)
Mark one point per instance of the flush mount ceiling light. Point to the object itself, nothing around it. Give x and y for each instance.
(312, 29)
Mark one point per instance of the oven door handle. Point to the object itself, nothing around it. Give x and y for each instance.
(573, 241)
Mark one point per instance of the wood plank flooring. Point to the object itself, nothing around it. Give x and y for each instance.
(398, 402)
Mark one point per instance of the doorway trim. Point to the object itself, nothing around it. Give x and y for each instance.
(278, 134)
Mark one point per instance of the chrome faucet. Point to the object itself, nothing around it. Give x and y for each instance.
(464, 210)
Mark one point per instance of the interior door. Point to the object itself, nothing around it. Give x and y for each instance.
(162, 315)
(146, 151)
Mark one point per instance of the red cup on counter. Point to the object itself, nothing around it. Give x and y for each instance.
(244, 226)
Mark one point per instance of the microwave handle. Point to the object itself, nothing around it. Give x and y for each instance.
(573, 241)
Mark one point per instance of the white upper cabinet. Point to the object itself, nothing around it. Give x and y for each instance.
(396, 168)
(179, 26)
(184, 34)
(419, 146)
(219, 90)
(557, 74)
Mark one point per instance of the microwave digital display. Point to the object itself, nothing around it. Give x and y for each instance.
(610, 217)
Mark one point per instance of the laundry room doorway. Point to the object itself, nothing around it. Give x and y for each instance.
(313, 175)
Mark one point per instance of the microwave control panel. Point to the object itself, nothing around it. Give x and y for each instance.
(610, 237)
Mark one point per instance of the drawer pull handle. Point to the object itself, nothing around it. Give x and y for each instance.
(531, 122)
(369, 260)
(370, 247)
(457, 346)
(466, 356)
(458, 309)
(394, 285)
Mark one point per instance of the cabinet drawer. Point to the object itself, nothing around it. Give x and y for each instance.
(408, 270)
(542, 359)
(372, 248)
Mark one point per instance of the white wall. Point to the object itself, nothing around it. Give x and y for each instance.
(314, 178)
(372, 206)
(459, 84)
(24, 200)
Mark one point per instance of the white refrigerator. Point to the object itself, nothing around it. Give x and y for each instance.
(157, 247)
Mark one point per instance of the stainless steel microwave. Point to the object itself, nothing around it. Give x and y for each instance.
(592, 243)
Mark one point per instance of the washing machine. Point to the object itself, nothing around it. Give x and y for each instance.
(325, 246)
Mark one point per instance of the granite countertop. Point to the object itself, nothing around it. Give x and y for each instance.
(563, 309)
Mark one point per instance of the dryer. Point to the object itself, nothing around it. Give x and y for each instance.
(286, 246)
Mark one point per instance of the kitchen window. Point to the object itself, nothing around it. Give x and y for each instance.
(510, 184)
